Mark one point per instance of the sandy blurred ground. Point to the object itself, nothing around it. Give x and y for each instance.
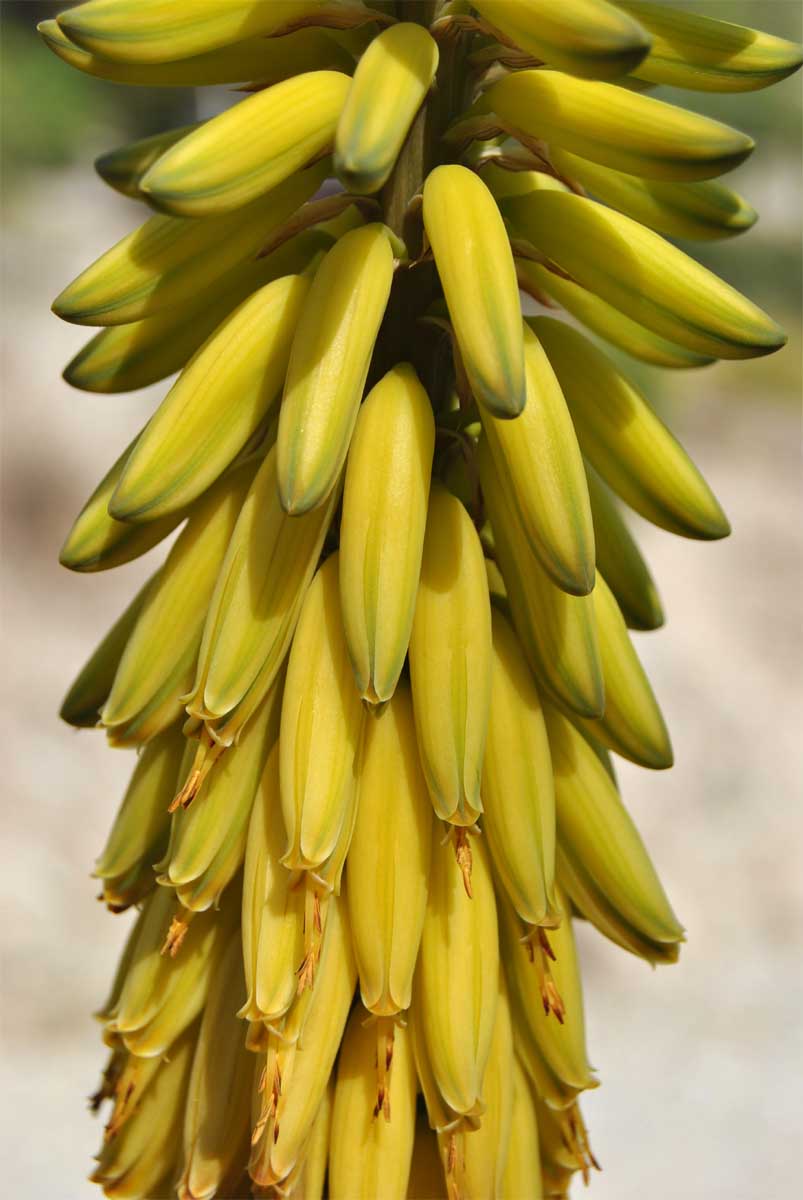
(700, 1062)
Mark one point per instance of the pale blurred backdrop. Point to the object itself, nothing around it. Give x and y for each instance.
(700, 1063)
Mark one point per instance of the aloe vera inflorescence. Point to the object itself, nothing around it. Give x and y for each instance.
(375, 684)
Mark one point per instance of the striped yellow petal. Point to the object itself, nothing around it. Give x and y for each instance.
(321, 727)
(122, 358)
(390, 83)
(141, 1159)
(220, 399)
(207, 840)
(382, 527)
(90, 689)
(557, 631)
(616, 127)
(632, 723)
(517, 792)
(273, 908)
(606, 321)
(158, 662)
(604, 860)
(329, 363)
(154, 31)
(626, 441)
(553, 1051)
(138, 837)
(701, 211)
(690, 50)
(476, 270)
(307, 1178)
(474, 1159)
(644, 276)
(539, 456)
(280, 1136)
(218, 1109)
(620, 560)
(584, 37)
(457, 980)
(98, 542)
(161, 994)
(257, 597)
(250, 148)
(123, 167)
(394, 827)
(170, 260)
(450, 660)
(522, 1177)
(256, 58)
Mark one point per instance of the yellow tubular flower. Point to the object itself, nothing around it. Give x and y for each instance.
(248, 149)
(97, 541)
(590, 38)
(693, 51)
(168, 260)
(518, 796)
(475, 265)
(217, 1120)
(457, 985)
(698, 211)
(157, 663)
(547, 1006)
(605, 864)
(329, 362)
(606, 321)
(539, 456)
(620, 561)
(557, 631)
(389, 85)
(475, 1159)
(616, 127)
(139, 835)
(282, 1129)
(522, 1177)
(82, 705)
(382, 528)
(207, 840)
(648, 279)
(257, 598)
(273, 908)
(394, 826)
(255, 58)
(155, 31)
(122, 358)
(628, 444)
(371, 1156)
(450, 660)
(321, 728)
(218, 402)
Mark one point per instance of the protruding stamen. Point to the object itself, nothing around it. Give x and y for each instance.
(109, 1081)
(177, 932)
(206, 756)
(575, 1136)
(462, 850)
(313, 937)
(385, 1034)
(541, 953)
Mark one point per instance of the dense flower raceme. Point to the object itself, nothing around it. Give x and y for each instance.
(375, 682)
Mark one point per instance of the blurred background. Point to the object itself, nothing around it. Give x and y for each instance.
(700, 1062)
